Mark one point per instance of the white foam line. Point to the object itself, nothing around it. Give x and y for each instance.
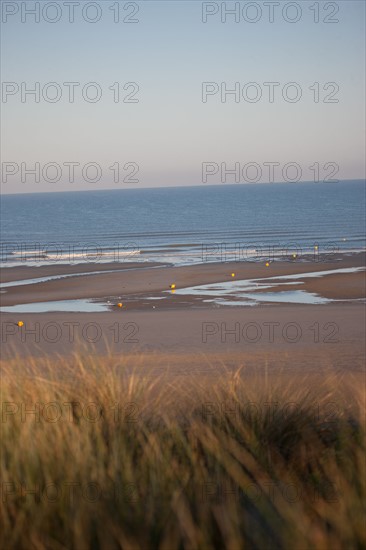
(25, 282)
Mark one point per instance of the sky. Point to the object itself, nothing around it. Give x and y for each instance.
(161, 70)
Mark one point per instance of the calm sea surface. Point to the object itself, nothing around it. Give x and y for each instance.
(183, 225)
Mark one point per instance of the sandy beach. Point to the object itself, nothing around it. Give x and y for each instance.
(157, 322)
(139, 281)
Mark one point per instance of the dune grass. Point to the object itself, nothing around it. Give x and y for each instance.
(95, 454)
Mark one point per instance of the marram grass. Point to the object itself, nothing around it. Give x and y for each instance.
(95, 454)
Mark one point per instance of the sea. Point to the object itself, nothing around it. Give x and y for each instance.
(184, 225)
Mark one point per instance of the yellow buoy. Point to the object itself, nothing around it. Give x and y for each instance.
(233, 274)
(119, 304)
(20, 323)
(267, 264)
(172, 286)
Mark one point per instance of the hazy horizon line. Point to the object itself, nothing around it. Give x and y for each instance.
(2, 194)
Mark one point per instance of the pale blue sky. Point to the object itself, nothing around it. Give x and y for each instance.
(170, 131)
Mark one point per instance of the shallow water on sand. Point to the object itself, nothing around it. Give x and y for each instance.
(240, 293)
(77, 306)
(246, 292)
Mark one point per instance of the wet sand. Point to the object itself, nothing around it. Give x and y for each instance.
(142, 281)
(185, 332)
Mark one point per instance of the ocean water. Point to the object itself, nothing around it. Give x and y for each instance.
(184, 225)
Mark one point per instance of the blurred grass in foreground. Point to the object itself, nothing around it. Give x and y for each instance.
(113, 458)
